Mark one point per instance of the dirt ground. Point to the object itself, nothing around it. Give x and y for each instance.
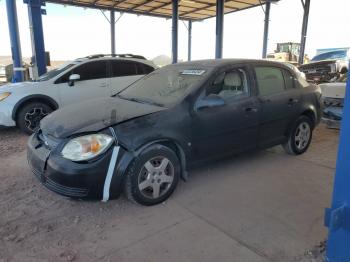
(196, 224)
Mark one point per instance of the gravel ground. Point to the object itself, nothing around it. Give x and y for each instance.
(12, 141)
(38, 225)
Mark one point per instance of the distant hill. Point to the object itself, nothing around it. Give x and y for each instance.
(6, 60)
(162, 60)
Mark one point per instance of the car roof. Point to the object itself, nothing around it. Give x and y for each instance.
(231, 61)
(139, 60)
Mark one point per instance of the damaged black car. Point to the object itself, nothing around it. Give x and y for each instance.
(143, 140)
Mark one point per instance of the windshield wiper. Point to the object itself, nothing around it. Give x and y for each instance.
(141, 101)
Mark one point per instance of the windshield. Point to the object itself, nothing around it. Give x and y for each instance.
(331, 55)
(165, 86)
(55, 72)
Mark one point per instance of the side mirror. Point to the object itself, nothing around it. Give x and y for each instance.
(211, 100)
(73, 78)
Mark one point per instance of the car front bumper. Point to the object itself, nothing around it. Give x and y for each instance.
(74, 179)
(6, 115)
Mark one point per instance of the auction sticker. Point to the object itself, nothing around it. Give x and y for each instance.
(194, 72)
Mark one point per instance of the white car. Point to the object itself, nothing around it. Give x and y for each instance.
(25, 104)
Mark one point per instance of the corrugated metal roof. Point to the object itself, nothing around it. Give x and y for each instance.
(188, 9)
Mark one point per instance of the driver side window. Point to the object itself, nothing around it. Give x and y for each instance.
(87, 71)
(231, 84)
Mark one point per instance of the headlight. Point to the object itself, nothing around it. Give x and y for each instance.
(4, 95)
(86, 147)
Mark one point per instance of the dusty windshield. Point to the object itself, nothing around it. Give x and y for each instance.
(166, 86)
(55, 72)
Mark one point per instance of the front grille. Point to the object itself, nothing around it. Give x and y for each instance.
(64, 190)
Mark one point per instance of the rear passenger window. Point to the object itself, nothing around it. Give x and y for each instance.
(270, 80)
(123, 68)
(288, 79)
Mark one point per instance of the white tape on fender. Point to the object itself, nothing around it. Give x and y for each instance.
(110, 172)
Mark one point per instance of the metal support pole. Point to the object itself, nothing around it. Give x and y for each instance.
(175, 23)
(219, 27)
(306, 6)
(337, 218)
(266, 28)
(189, 52)
(15, 41)
(37, 34)
(112, 21)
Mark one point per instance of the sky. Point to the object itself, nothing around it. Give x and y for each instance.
(72, 32)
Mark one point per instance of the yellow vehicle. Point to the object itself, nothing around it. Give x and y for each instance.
(287, 52)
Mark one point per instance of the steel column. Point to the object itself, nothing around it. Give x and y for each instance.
(219, 27)
(37, 34)
(337, 218)
(266, 28)
(112, 21)
(15, 41)
(189, 49)
(306, 6)
(175, 24)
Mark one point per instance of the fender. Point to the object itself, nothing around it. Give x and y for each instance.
(50, 100)
(126, 157)
(184, 173)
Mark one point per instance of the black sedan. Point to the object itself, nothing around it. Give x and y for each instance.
(142, 140)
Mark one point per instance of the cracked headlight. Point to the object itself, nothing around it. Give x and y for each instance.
(4, 95)
(86, 147)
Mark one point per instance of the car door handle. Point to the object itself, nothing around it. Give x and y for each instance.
(292, 101)
(251, 110)
(103, 85)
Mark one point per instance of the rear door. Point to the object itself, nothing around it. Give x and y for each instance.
(124, 73)
(93, 83)
(280, 100)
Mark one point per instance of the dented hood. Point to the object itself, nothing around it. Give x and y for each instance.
(93, 115)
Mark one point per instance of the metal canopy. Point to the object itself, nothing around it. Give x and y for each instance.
(188, 9)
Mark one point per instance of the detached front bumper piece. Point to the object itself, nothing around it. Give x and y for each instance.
(67, 178)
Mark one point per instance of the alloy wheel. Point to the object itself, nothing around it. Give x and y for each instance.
(33, 117)
(156, 177)
(302, 135)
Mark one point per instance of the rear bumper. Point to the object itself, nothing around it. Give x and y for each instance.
(77, 180)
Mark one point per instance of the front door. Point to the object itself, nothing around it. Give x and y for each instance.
(232, 127)
(93, 83)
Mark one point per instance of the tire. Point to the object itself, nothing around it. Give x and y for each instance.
(298, 142)
(150, 171)
(29, 116)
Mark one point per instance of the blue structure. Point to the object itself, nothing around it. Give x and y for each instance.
(15, 41)
(175, 24)
(337, 218)
(219, 27)
(306, 6)
(37, 34)
(266, 28)
(112, 21)
(189, 46)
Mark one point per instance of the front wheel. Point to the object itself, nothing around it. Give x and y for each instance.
(300, 137)
(29, 116)
(152, 176)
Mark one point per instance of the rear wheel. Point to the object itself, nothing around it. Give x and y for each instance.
(29, 116)
(152, 176)
(300, 136)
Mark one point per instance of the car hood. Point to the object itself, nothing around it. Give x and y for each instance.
(18, 86)
(93, 115)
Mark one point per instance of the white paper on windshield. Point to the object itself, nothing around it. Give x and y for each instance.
(193, 72)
